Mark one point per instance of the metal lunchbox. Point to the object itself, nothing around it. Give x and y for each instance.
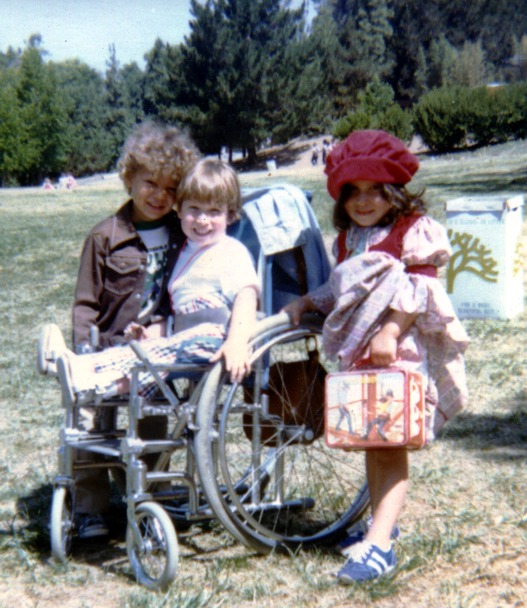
(373, 408)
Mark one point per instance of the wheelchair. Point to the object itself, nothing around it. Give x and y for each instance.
(250, 455)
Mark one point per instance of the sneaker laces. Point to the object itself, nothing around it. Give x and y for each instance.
(360, 551)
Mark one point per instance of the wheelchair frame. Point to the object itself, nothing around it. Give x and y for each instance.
(288, 492)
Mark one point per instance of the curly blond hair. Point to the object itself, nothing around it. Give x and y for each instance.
(164, 150)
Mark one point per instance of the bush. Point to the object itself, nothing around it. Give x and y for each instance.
(376, 110)
(353, 121)
(452, 117)
(515, 117)
(439, 118)
(397, 121)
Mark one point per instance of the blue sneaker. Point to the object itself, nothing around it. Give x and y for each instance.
(358, 531)
(366, 562)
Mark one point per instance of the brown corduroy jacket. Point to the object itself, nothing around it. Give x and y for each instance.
(112, 275)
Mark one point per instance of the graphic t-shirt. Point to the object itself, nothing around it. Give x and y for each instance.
(155, 237)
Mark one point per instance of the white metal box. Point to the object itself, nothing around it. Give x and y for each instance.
(485, 272)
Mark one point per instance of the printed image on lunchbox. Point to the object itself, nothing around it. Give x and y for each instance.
(375, 408)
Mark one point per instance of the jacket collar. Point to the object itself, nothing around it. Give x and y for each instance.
(123, 229)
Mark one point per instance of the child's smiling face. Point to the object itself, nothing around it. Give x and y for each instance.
(153, 196)
(203, 222)
(367, 204)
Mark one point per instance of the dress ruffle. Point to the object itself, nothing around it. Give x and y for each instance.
(426, 242)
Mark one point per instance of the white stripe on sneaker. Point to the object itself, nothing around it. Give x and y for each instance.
(377, 562)
(367, 562)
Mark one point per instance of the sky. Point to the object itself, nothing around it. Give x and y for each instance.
(85, 29)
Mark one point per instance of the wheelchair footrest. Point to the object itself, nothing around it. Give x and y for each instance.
(302, 504)
(107, 447)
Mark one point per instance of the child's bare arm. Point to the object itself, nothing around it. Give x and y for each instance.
(383, 345)
(235, 348)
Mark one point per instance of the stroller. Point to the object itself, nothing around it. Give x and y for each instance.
(251, 455)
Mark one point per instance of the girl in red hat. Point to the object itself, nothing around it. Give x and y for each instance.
(384, 301)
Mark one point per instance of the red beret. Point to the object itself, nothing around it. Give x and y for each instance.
(374, 156)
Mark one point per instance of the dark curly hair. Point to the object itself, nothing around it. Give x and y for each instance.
(401, 200)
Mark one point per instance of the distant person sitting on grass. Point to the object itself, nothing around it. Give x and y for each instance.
(125, 265)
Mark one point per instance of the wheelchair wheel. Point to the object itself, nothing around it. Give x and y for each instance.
(269, 477)
(61, 523)
(154, 552)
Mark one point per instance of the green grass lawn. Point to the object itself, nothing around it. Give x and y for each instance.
(464, 530)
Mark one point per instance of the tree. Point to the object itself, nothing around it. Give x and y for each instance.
(303, 107)
(440, 118)
(470, 69)
(422, 25)
(324, 44)
(376, 110)
(16, 153)
(516, 65)
(133, 82)
(201, 65)
(120, 116)
(162, 80)
(86, 144)
(421, 73)
(233, 64)
(10, 59)
(371, 40)
(41, 111)
(442, 59)
(363, 31)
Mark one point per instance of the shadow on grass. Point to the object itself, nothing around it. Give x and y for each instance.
(501, 437)
(34, 509)
(32, 532)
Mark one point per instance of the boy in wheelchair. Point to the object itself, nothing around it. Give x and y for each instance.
(206, 290)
